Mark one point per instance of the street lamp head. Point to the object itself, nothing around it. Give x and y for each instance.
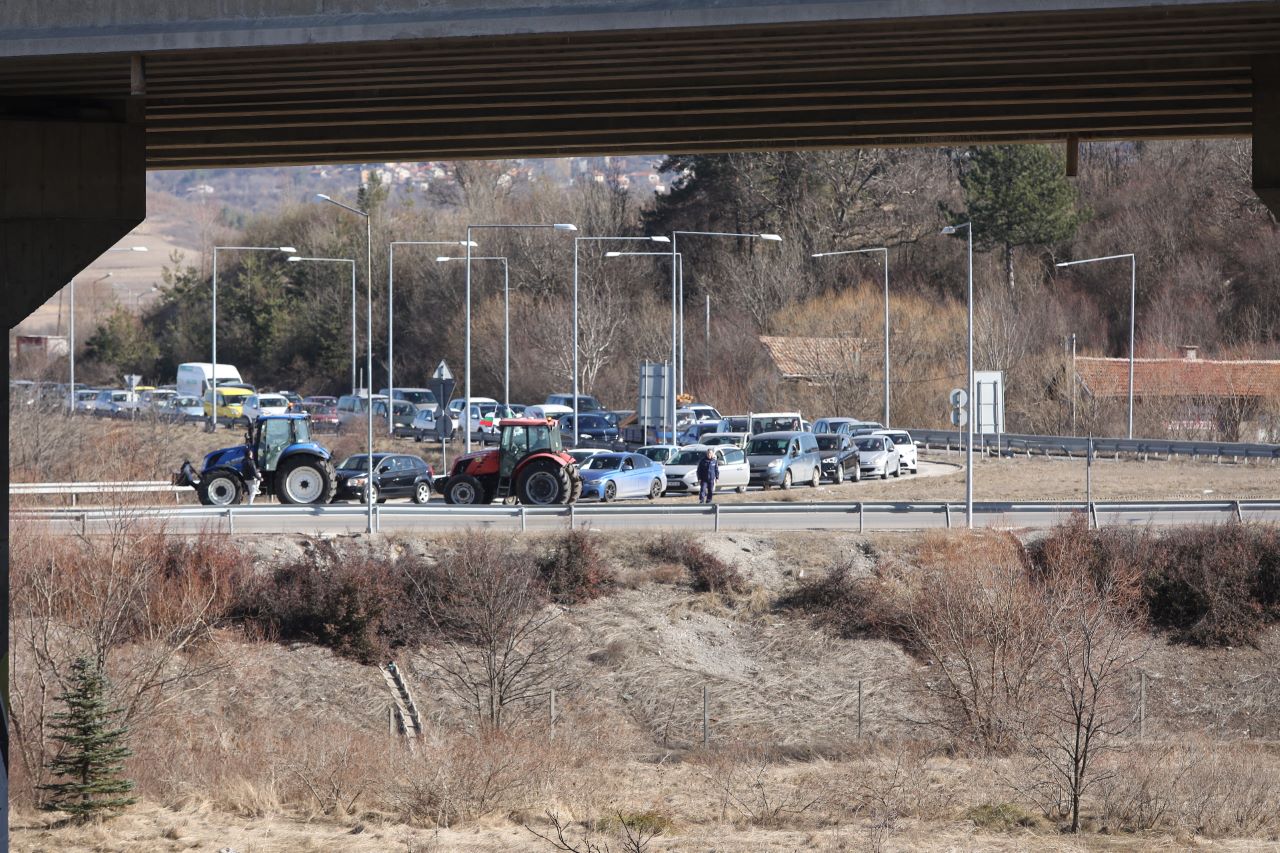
(949, 229)
(293, 259)
(776, 238)
(137, 248)
(288, 249)
(472, 243)
(612, 254)
(659, 238)
(323, 197)
(955, 229)
(565, 226)
(442, 258)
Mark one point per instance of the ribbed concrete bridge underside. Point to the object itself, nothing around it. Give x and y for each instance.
(92, 95)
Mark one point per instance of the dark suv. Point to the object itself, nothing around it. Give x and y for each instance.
(396, 475)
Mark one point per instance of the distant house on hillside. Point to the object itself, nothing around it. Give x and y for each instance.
(1199, 397)
(813, 360)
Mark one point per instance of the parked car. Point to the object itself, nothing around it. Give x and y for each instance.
(156, 400)
(878, 456)
(353, 410)
(324, 416)
(586, 403)
(84, 400)
(703, 412)
(324, 399)
(396, 475)
(610, 476)
(834, 426)
(184, 409)
(906, 448)
(294, 398)
(402, 414)
(862, 428)
(660, 453)
(417, 397)
(682, 472)
(733, 439)
(735, 423)
(839, 457)
(257, 405)
(762, 422)
(229, 402)
(782, 458)
(592, 426)
(694, 432)
(548, 410)
(582, 454)
(115, 403)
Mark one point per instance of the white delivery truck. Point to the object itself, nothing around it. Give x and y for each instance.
(197, 377)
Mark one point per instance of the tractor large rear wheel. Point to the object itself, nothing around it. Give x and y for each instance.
(464, 490)
(221, 488)
(543, 482)
(305, 480)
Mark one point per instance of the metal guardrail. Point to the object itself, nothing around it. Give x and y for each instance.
(1015, 443)
(74, 490)
(861, 516)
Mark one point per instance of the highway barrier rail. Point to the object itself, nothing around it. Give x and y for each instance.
(74, 490)
(1013, 443)
(860, 516)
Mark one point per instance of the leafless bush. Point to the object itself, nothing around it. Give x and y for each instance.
(707, 572)
(750, 792)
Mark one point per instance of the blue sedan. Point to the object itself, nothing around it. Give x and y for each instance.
(609, 476)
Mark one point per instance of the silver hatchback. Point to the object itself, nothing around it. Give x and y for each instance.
(783, 458)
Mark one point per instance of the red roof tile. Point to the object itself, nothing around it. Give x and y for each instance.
(1179, 377)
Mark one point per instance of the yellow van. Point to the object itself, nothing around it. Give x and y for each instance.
(230, 404)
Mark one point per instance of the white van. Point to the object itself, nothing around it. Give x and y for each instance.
(195, 377)
(762, 422)
(548, 410)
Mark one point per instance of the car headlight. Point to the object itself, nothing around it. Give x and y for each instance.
(357, 481)
(830, 460)
(777, 463)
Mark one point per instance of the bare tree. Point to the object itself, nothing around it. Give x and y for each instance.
(498, 647)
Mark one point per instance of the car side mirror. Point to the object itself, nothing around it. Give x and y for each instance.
(795, 451)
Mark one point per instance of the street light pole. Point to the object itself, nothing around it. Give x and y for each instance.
(213, 332)
(506, 320)
(391, 315)
(885, 264)
(675, 275)
(368, 250)
(1133, 311)
(576, 241)
(973, 403)
(466, 400)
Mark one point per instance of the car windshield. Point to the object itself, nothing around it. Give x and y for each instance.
(771, 424)
(603, 463)
(768, 446)
(828, 442)
(275, 402)
(356, 463)
(657, 454)
(869, 443)
(403, 407)
(901, 438)
(689, 457)
(417, 397)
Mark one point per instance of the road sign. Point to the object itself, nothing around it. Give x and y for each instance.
(959, 417)
(444, 426)
(132, 380)
(443, 371)
(443, 389)
(959, 397)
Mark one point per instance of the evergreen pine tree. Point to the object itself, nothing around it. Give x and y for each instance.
(92, 751)
(1018, 195)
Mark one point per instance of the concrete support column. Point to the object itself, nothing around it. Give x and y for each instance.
(1266, 131)
(70, 188)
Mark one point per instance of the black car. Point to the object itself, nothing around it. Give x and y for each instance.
(839, 457)
(397, 475)
(591, 426)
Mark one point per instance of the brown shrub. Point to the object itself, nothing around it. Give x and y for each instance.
(573, 569)
(844, 605)
(707, 572)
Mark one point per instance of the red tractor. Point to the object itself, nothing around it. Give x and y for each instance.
(529, 464)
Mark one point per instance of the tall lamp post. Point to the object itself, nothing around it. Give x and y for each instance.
(1133, 309)
(391, 314)
(506, 322)
(675, 274)
(576, 241)
(368, 343)
(295, 259)
(973, 404)
(213, 331)
(466, 400)
(671, 375)
(885, 264)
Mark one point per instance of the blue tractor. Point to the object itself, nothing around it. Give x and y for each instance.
(279, 450)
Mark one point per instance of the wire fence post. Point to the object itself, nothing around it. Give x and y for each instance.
(552, 712)
(706, 719)
(1142, 704)
(859, 709)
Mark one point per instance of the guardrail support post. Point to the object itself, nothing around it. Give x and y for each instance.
(231, 521)
(572, 523)
(947, 506)
(715, 514)
(523, 523)
(862, 518)
(1239, 513)
(1093, 514)
(84, 524)
(73, 499)
(377, 519)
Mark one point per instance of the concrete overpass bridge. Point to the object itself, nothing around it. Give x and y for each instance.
(93, 95)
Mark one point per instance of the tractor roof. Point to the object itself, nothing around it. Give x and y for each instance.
(526, 422)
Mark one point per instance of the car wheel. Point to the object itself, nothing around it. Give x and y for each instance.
(655, 490)
(816, 478)
(786, 480)
(220, 489)
(364, 495)
(897, 472)
(422, 493)
(838, 477)
(884, 475)
(610, 492)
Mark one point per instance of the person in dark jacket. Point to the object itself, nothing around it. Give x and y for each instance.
(708, 473)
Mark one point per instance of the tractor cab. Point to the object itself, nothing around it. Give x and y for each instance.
(270, 437)
(520, 438)
(529, 464)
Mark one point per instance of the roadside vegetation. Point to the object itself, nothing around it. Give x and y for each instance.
(862, 693)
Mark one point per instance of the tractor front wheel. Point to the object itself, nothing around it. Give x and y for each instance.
(543, 483)
(220, 489)
(464, 490)
(305, 480)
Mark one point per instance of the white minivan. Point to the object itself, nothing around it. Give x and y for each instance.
(195, 377)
